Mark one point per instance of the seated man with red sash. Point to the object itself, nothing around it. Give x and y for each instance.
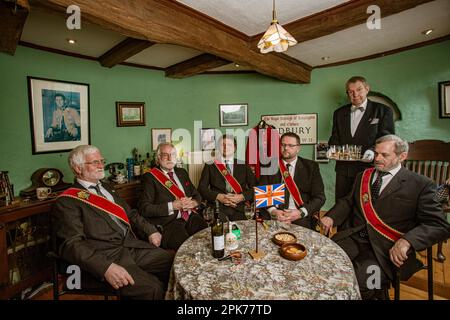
(170, 199)
(389, 214)
(96, 230)
(227, 180)
(304, 193)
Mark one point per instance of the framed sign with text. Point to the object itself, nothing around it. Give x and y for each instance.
(304, 124)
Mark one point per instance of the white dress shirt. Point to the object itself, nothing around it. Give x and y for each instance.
(356, 115)
(387, 178)
(230, 163)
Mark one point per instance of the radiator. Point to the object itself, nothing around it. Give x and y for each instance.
(195, 166)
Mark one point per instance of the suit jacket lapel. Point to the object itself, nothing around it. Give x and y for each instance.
(393, 185)
(365, 120)
(183, 182)
(237, 170)
(347, 119)
(298, 172)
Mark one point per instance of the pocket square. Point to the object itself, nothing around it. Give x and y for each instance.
(374, 121)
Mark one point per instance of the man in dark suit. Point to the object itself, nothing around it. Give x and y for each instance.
(389, 214)
(307, 179)
(97, 231)
(170, 199)
(228, 180)
(359, 123)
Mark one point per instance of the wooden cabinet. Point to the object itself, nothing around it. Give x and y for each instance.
(24, 241)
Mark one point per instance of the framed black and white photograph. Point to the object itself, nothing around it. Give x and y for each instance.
(207, 139)
(130, 114)
(320, 151)
(59, 114)
(160, 135)
(444, 99)
(233, 115)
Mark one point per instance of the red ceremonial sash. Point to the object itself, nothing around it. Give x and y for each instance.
(268, 146)
(167, 183)
(228, 177)
(290, 184)
(98, 202)
(369, 212)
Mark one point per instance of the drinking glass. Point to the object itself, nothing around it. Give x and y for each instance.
(274, 218)
(208, 215)
(248, 211)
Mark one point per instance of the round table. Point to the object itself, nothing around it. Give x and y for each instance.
(325, 273)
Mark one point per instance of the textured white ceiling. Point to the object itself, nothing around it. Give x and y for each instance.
(397, 31)
(250, 17)
(254, 16)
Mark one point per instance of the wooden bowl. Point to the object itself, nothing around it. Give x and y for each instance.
(293, 251)
(283, 237)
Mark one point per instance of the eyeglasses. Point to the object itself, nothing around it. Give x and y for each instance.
(168, 155)
(97, 162)
(284, 145)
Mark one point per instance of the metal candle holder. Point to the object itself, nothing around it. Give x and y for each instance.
(256, 254)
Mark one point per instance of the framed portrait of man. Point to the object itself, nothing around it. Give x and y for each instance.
(59, 114)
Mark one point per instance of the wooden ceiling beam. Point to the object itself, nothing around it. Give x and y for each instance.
(165, 21)
(122, 51)
(196, 65)
(341, 17)
(13, 17)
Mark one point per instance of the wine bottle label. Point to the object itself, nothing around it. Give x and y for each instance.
(219, 243)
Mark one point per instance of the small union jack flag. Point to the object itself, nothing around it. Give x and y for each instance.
(270, 195)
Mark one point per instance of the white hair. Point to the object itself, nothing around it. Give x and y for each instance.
(77, 156)
(400, 144)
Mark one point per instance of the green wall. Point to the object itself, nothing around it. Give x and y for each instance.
(409, 78)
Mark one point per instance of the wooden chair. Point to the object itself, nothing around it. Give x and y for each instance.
(89, 284)
(431, 158)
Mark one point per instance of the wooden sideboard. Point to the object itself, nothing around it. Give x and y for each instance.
(24, 241)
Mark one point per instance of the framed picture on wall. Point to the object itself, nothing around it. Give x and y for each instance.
(320, 151)
(160, 135)
(207, 139)
(130, 114)
(444, 99)
(232, 115)
(59, 114)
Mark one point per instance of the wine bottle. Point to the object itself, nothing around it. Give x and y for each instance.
(147, 161)
(217, 237)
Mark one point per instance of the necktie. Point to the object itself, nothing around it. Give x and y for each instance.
(99, 193)
(184, 214)
(354, 109)
(228, 187)
(97, 189)
(376, 186)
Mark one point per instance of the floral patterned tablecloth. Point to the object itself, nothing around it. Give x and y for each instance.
(325, 273)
